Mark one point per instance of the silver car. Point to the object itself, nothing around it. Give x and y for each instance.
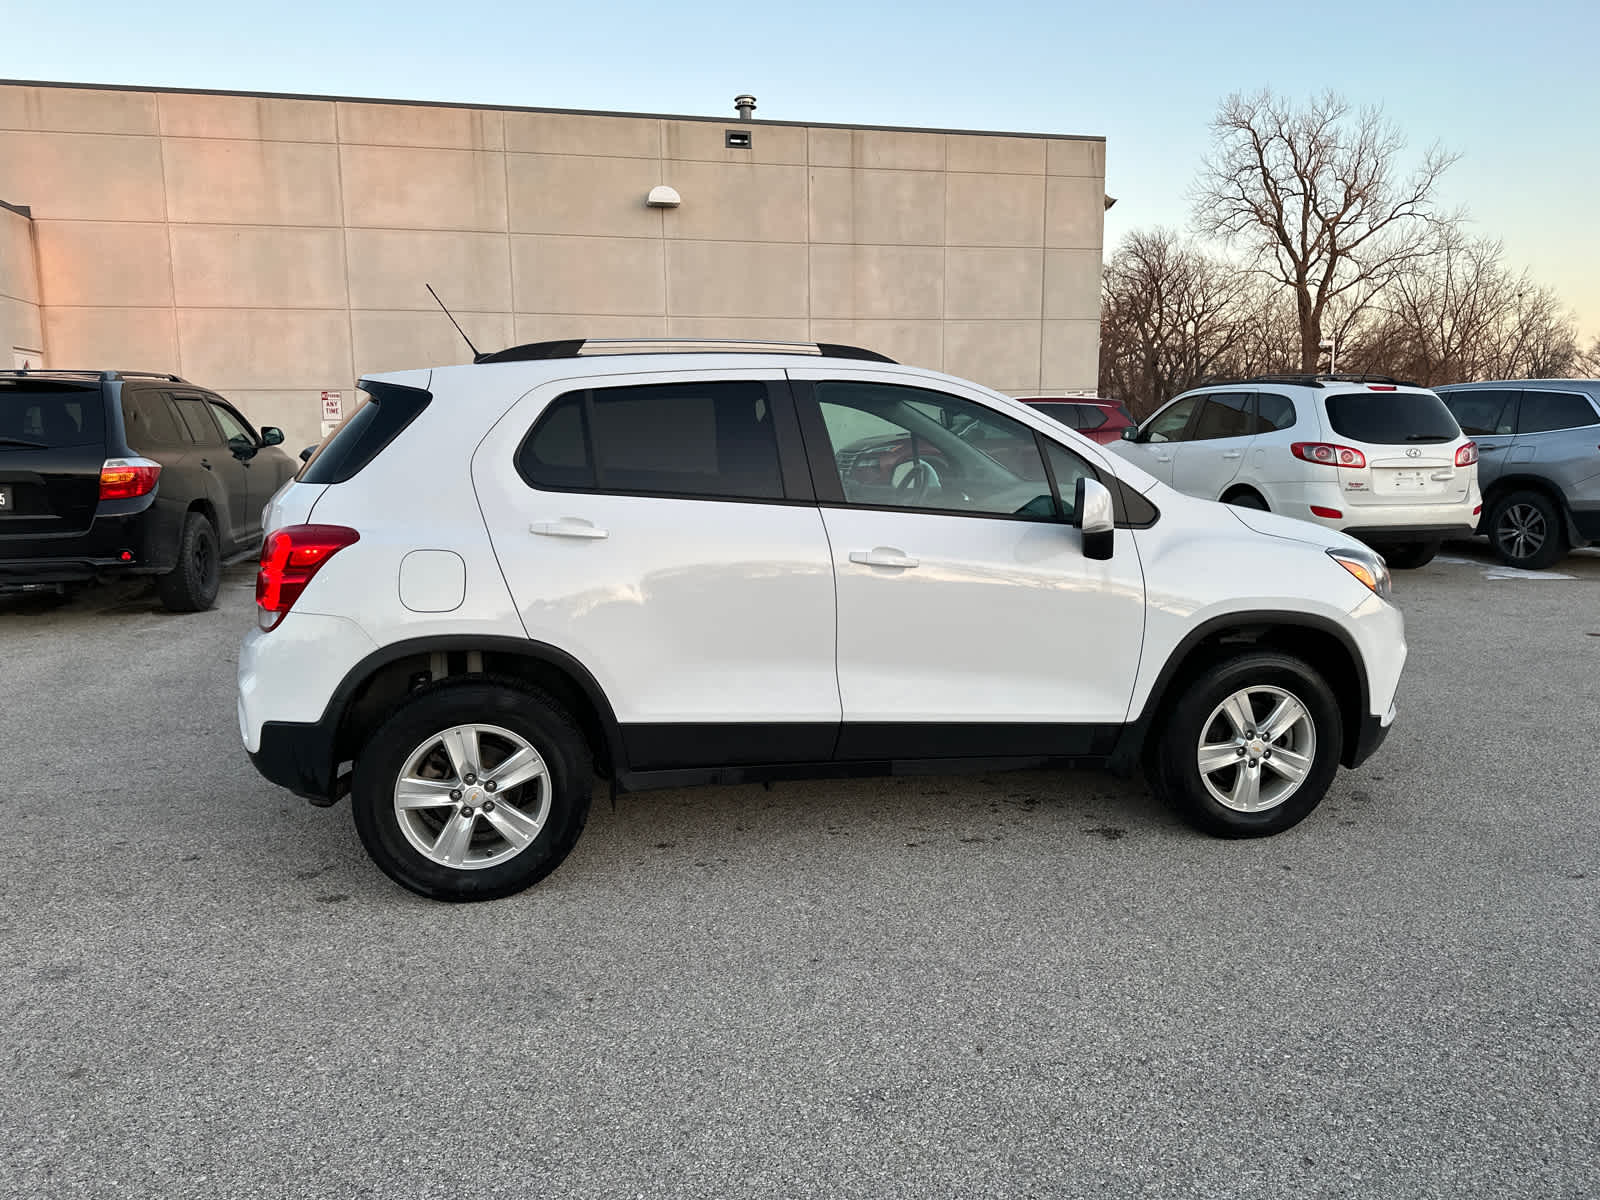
(1539, 463)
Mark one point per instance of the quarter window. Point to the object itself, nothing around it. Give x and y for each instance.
(1273, 412)
(1482, 411)
(900, 447)
(708, 440)
(1543, 412)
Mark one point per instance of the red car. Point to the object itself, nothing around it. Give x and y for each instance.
(1102, 420)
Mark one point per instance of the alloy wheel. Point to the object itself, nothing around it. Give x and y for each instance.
(1256, 749)
(472, 796)
(1522, 531)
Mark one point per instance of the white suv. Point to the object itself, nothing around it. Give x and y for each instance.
(1381, 460)
(496, 580)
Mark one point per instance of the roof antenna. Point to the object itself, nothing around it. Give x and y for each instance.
(476, 357)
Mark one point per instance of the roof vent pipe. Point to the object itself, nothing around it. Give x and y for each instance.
(746, 105)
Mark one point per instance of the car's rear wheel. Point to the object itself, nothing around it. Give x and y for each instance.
(1407, 556)
(472, 791)
(1246, 498)
(1251, 746)
(1526, 531)
(192, 585)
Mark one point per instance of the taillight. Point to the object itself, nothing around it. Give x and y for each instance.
(290, 557)
(1467, 455)
(126, 478)
(1326, 454)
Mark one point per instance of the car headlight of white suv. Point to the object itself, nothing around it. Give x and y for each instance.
(1367, 566)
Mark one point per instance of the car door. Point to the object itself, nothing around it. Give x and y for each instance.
(262, 467)
(1556, 431)
(1489, 417)
(1155, 446)
(662, 531)
(969, 620)
(1209, 459)
(228, 486)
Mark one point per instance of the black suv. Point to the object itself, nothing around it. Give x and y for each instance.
(107, 473)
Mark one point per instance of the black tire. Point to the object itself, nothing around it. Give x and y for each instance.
(530, 715)
(1527, 530)
(1175, 769)
(1245, 498)
(1407, 556)
(192, 585)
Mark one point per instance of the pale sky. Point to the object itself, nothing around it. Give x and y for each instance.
(1514, 89)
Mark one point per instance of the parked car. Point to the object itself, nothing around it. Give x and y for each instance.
(1100, 420)
(112, 473)
(1539, 463)
(660, 566)
(1381, 460)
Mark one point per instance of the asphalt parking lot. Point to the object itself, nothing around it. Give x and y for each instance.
(1035, 984)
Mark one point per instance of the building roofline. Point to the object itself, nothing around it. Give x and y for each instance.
(571, 112)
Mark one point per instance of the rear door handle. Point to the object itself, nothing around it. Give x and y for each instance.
(206, 463)
(568, 527)
(1234, 454)
(1163, 458)
(882, 556)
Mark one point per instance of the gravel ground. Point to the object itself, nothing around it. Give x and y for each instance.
(1032, 984)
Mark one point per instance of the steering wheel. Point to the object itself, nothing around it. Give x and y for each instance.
(914, 477)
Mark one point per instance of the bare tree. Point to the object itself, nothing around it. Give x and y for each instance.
(1316, 198)
(1588, 362)
(1171, 316)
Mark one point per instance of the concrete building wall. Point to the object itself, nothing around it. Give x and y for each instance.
(274, 247)
(21, 329)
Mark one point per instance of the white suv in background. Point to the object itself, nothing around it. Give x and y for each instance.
(1381, 460)
(496, 580)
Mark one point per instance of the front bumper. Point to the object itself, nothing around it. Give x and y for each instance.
(1374, 729)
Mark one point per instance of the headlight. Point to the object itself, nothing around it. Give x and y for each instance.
(1367, 567)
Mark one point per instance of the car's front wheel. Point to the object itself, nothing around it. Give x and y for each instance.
(473, 791)
(1251, 746)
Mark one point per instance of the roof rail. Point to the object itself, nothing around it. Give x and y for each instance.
(92, 374)
(588, 347)
(1319, 380)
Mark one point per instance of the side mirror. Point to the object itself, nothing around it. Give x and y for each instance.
(271, 435)
(305, 455)
(1096, 518)
(1130, 433)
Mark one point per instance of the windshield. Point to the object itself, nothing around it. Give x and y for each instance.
(40, 414)
(1391, 418)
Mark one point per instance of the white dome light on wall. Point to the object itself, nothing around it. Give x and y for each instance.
(662, 196)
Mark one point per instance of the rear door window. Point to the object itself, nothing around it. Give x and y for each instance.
(41, 413)
(202, 429)
(1485, 411)
(712, 440)
(1391, 418)
(1225, 415)
(1543, 412)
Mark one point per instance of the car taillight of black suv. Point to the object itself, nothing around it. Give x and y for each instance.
(107, 473)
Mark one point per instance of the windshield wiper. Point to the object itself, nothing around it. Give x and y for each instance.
(25, 443)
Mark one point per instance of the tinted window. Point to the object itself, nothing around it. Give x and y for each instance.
(1490, 410)
(148, 420)
(1090, 417)
(899, 447)
(202, 430)
(1544, 411)
(1391, 418)
(1225, 415)
(681, 439)
(1067, 414)
(382, 412)
(40, 413)
(1273, 412)
(1170, 424)
(556, 454)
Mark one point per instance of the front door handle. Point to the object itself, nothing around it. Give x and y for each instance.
(1482, 446)
(206, 463)
(1163, 458)
(882, 556)
(568, 527)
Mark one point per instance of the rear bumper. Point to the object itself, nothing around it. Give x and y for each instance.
(92, 554)
(1378, 535)
(298, 757)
